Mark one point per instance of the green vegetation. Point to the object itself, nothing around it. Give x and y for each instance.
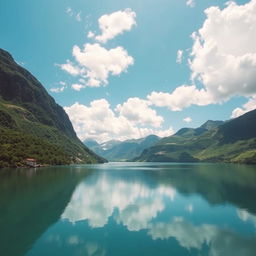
(248, 156)
(16, 146)
(232, 141)
(32, 124)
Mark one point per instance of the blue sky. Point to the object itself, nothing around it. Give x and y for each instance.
(126, 78)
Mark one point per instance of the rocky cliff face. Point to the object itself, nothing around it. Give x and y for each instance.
(27, 108)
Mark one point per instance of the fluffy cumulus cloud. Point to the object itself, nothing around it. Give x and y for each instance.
(224, 51)
(182, 97)
(98, 121)
(115, 24)
(223, 59)
(138, 111)
(250, 105)
(96, 63)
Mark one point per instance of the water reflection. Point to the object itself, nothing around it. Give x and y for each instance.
(246, 216)
(140, 201)
(97, 197)
(30, 201)
(129, 209)
(219, 241)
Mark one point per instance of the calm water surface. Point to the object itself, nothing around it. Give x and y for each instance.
(129, 209)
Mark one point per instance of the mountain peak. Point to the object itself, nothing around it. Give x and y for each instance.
(5, 55)
(28, 113)
(211, 124)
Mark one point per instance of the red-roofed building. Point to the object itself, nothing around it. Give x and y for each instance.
(31, 162)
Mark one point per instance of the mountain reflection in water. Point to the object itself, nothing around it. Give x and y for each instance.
(151, 209)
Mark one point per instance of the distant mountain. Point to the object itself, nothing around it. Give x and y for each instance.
(214, 141)
(32, 124)
(91, 143)
(122, 151)
(110, 144)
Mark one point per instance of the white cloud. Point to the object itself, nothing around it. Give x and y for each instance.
(187, 120)
(138, 111)
(250, 105)
(70, 68)
(59, 89)
(115, 23)
(191, 3)
(96, 63)
(164, 133)
(179, 56)
(90, 34)
(223, 59)
(182, 97)
(224, 51)
(77, 87)
(98, 121)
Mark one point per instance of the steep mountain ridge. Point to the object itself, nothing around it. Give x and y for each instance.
(23, 89)
(230, 141)
(32, 124)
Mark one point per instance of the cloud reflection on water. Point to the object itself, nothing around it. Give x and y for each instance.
(136, 202)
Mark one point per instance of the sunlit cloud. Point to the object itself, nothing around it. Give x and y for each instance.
(115, 24)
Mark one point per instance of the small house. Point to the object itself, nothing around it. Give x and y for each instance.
(31, 162)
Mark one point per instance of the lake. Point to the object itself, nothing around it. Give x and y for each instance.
(129, 209)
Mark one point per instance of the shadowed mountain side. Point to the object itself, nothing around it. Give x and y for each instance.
(28, 114)
(30, 202)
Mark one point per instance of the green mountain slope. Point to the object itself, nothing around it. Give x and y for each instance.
(122, 150)
(232, 141)
(32, 124)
